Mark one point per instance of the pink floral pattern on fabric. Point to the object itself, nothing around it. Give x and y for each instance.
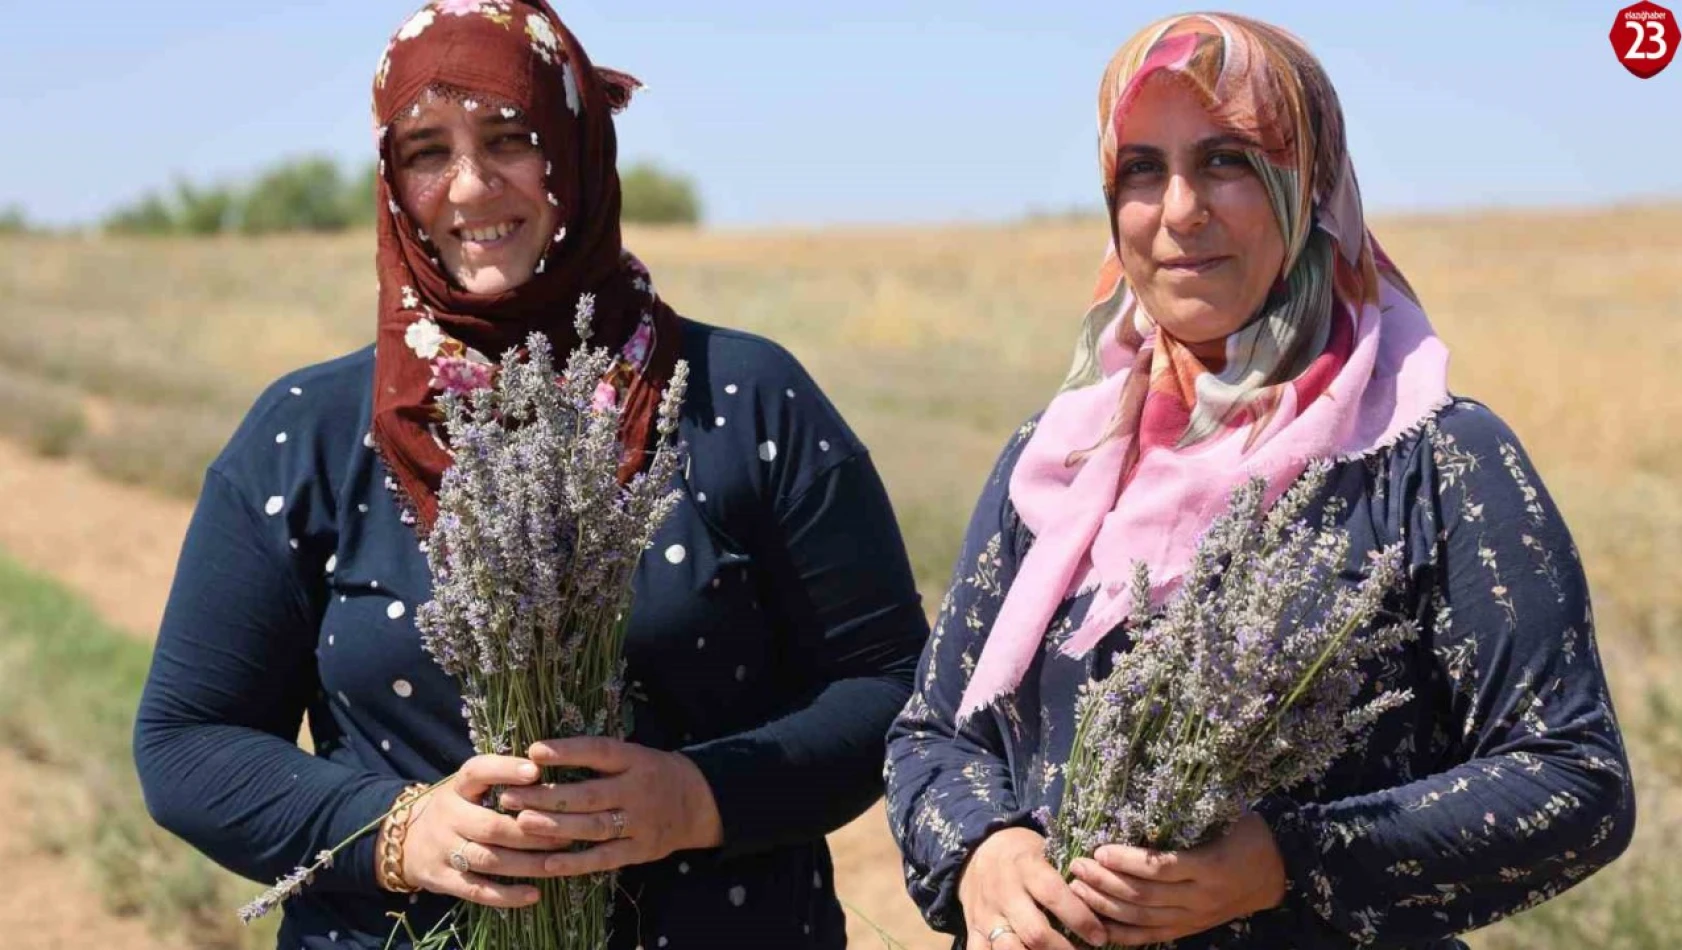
(459, 369)
(461, 374)
(640, 344)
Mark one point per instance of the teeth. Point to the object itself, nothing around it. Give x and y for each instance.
(482, 235)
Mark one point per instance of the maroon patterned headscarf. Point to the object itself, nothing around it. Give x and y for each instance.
(514, 55)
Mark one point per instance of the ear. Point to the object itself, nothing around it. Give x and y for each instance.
(618, 87)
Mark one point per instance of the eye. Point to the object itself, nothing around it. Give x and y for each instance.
(1228, 159)
(512, 141)
(1139, 166)
(426, 155)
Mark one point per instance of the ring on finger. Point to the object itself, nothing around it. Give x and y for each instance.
(617, 816)
(999, 931)
(459, 859)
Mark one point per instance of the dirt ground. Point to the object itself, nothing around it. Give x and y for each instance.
(115, 546)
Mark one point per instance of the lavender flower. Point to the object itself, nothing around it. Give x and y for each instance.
(1245, 684)
(532, 556)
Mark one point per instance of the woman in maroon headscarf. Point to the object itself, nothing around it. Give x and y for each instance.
(775, 627)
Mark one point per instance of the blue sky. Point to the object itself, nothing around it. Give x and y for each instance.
(817, 113)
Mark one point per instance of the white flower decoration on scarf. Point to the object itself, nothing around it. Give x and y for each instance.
(411, 300)
(417, 25)
(543, 38)
(425, 338)
(383, 71)
(571, 87)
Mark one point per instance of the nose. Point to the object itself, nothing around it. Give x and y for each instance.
(1184, 206)
(471, 180)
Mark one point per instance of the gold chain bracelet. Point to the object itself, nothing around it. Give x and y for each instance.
(393, 833)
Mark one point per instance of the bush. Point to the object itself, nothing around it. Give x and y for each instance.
(13, 220)
(150, 215)
(653, 196)
(207, 211)
(303, 195)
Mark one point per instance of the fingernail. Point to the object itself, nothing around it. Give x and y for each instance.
(528, 771)
(509, 803)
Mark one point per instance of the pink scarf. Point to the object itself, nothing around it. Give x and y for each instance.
(1100, 496)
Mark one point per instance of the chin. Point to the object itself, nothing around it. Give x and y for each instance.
(1197, 321)
(492, 280)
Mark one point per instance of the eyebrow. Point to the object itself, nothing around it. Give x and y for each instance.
(427, 133)
(1202, 145)
(422, 134)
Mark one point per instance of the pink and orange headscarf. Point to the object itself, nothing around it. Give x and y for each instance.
(1141, 449)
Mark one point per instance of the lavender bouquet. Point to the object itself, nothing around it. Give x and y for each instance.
(1244, 685)
(531, 558)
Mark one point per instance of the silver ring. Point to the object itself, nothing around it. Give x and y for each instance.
(998, 932)
(458, 859)
(618, 819)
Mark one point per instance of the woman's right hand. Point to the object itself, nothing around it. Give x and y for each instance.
(451, 818)
(1007, 887)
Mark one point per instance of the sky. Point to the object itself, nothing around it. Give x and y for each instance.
(810, 113)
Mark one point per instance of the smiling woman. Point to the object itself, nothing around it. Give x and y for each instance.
(475, 178)
(1246, 324)
(1197, 234)
(774, 625)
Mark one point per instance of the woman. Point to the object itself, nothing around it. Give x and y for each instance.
(775, 626)
(1246, 323)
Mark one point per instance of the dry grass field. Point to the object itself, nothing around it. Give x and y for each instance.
(140, 356)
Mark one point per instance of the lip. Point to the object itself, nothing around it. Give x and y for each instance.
(459, 234)
(1193, 265)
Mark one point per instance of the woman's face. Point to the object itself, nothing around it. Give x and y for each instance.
(1199, 242)
(475, 182)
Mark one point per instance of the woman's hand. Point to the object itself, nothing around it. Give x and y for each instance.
(644, 805)
(1151, 897)
(450, 830)
(1003, 888)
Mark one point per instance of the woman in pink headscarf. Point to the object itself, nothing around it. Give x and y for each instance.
(1245, 324)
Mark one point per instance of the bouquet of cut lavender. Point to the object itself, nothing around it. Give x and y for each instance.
(531, 558)
(1243, 686)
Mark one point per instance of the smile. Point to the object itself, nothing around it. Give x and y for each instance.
(491, 236)
(1192, 265)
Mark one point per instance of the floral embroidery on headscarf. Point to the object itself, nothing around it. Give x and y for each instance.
(425, 338)
(543, 41)
(416, 25)
(460, 369)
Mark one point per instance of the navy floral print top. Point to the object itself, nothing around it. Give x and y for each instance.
(774, 634)
(1502, 782)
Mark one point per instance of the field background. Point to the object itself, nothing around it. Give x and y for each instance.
(125, 364)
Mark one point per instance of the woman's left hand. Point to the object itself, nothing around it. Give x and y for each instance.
(643, 805)
(1151, 897)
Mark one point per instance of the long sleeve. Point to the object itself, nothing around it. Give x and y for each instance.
(231, 677)
(1537, 795)
(843, 584)
(949, 788)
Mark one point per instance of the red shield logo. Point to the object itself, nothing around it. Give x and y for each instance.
(1645, 37)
